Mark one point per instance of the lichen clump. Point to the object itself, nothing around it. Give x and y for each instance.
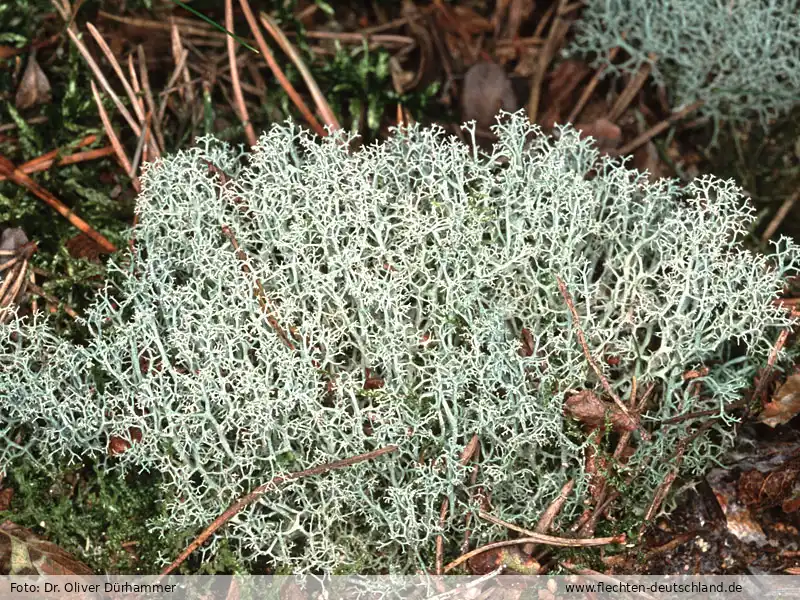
(740, 58)
(306, 303)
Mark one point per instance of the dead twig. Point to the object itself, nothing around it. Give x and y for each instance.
(558, 30)
(780, 216)
(532, 537)
(582, 340)
(8, 169)
(237, 506)
(49, 298)
(590, 87)
(656, 129)
(278, 72)
(550, 513)
(323, 107)
(630, 91)
(241, 107)
(466, 455)
(122, 157)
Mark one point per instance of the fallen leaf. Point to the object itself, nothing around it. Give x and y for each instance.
(22, 552)
(785, 404)
(511, 557)
(527, 343)
(587, 408)
(34, 88)
(82, 246)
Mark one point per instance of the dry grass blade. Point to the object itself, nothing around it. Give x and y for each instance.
(237, 506)
(278, 72)
(8, 169)
(118, 70)
(241, 107)
(103, 82)
(123, 159)
(322, 104)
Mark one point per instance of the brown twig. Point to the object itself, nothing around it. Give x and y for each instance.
(35, 289)
(590, 87)
(8, 169)
(123, 159)
(36, 165)
(261, 293)
(550, 513)
(98, 74)
(323, 107)
(278, 72)
(558, 30)
(780, 216)
(532, 537)
(630, 91)
(466, 455)
(237, 506)
(582, 340)
(241, 107)
(148, 97)
(118, 70)
(656, 129)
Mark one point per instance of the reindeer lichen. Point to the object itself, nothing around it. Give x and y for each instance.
(405, 294)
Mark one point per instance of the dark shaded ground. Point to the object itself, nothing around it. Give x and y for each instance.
(760, 533)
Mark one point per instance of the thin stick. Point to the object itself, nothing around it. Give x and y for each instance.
(103, 82)
(278, 72)
(35, 289)
(117, 69)
(241, 107)
(8, 169)
(151, 104)
(79, 157)
(351, 36)
(536, 538)
(237, 506)
(323, 107)
(590, 87)
(162, 109)
(557, 32)
(780, 216)
(773, 356)
(48, 157)
(630, 91)
(187, 92)
(550, 513)
(123, 159)
(466, 455)
(656, 129)
(582, 340)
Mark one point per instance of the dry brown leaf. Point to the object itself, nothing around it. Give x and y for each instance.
(22, 552)
(34, 88)
(82, 246)
(587, 408)
(117, 445)
(511, 557)
(785, 404)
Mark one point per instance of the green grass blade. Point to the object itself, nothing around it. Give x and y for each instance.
(217, 25)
